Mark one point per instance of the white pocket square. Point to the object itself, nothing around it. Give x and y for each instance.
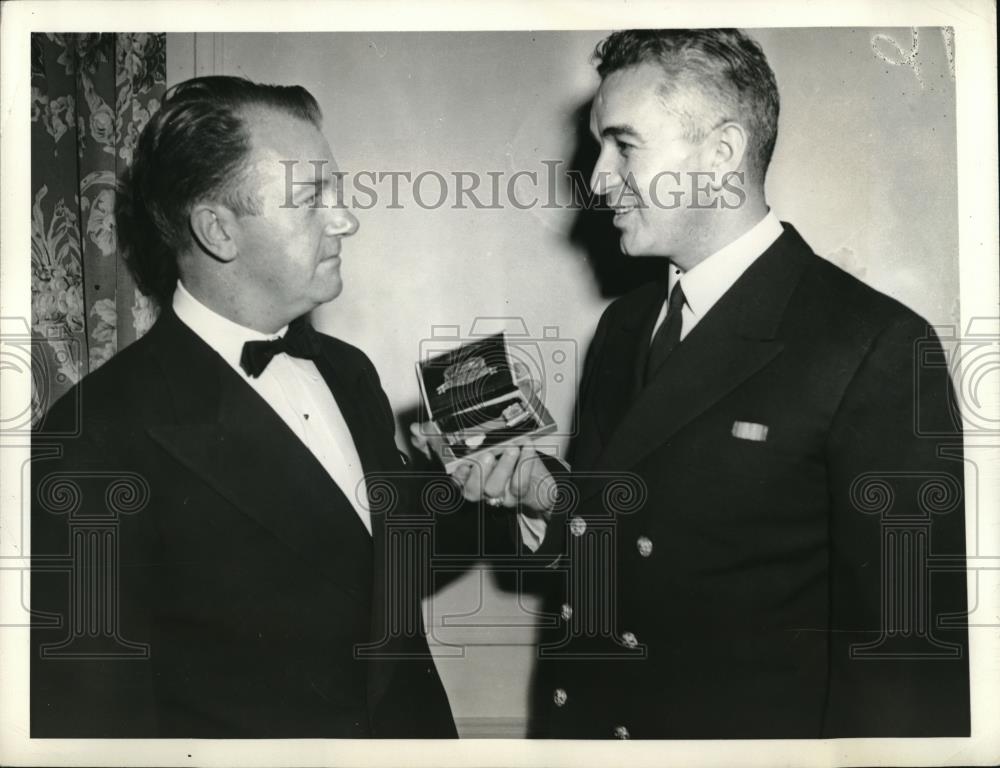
(748, 430)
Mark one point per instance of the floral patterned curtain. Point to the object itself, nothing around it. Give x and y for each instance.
(91, 95)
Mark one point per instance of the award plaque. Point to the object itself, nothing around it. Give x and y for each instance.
(479, 401)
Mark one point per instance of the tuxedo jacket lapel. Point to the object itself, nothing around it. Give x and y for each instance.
(225, 433)
(358, 396)
(732, 342)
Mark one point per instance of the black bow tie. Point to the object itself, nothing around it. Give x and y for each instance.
(300, 340)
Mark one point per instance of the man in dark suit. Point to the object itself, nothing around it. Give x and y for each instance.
(745, 541)
(209, 553)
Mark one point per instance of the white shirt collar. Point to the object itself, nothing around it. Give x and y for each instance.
(220, 333)
(706, 283)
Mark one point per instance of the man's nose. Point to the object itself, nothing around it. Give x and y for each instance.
(343, 223)
(602, 179)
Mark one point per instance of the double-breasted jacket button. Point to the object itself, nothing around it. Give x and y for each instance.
(577, 526)
(645, 546)
(567, 612)
(621, 732)
(559, 697)
(629, 640)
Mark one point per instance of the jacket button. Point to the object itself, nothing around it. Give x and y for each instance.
(559, 697)
(644, 545)
(621, 732)
(567, 612)
(577, 526)
(629, 640)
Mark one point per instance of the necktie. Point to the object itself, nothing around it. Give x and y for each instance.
(668, 335)
(300, 340)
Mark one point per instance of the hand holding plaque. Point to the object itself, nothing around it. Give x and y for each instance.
(479, 401)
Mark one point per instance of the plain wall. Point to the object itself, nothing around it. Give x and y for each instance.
(865, 167)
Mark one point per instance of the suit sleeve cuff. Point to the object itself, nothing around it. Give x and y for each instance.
(533, 525)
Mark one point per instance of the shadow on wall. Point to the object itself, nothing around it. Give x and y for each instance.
(592, 231)
(595, 237)
(467, 536)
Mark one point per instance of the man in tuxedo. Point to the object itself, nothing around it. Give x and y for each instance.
(210, 556)
(743, 543)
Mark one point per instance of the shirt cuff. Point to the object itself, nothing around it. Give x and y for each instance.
(533, 526)
(532, 530)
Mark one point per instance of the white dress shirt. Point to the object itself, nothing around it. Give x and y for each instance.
(294, 389)
(706, 282)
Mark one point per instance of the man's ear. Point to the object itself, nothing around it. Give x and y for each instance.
(727, 147)
(213, 228)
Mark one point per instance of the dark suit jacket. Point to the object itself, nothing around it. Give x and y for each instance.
(246, 586)
(771, 588)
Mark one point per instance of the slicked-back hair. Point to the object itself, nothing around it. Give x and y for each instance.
(710, 76)
(194, 149)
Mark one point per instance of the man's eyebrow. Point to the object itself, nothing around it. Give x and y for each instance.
(313, 186)
(621, 130)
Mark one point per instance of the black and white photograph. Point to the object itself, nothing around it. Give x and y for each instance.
(498, 383)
